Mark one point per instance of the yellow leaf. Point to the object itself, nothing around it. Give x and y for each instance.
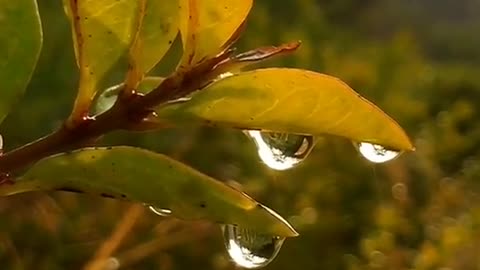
(102, 33)
(206, 26)
(291, 101)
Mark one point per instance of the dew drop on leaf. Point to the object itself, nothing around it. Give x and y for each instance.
(249, 249)
(281, 151)
(164, 212)
(376, 153)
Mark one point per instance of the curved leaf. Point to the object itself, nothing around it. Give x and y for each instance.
(207, 26)
(103, 31)
(20, 44)
(291, 101)
(154, 179)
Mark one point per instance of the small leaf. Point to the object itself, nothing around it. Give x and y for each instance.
(20, 44)
(108, 97)
(154, 179)
(156, 28)
(102, 32)
(262, 53)
(207, 26)
(238, 62)
(291, 101)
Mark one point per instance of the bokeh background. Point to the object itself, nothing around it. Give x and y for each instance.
(418, 60)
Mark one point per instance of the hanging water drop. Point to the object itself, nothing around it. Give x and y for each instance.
(164, 212)
(281, 151)
(249, 249)
(376, 153)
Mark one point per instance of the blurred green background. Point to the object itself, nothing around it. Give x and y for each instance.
(418, 60)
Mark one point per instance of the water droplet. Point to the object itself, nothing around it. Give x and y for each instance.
(376, 153)
(249, 249)
(164, 212)
(281, 151)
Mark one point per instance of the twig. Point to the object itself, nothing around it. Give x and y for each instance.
(112, 243)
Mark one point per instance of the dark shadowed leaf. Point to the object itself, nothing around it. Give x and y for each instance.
(20, 44)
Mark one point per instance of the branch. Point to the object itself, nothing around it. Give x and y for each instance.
(123, 115)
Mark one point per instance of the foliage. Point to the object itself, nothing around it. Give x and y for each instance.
(337, 211)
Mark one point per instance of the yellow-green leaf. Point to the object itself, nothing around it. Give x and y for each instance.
(102, 32)
(154, 179)
(207, 25)
(291, 101)
(156, 28)
(20, 44)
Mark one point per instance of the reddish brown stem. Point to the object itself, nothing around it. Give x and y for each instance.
(122, 115)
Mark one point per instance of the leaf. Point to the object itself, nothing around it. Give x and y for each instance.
(156, 28)
(103, 31)
(291, 101)
(154, 179)
(108, 97)
(20, 45)
(207, 26)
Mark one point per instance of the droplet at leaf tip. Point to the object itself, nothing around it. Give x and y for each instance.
(250, 249)
(296, 101)
(377, 153)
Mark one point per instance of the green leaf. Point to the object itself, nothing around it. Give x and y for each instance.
(108, 97)
(103, 32)
(290, 101)
(20, 44)
(207, 26)
(154, 179)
